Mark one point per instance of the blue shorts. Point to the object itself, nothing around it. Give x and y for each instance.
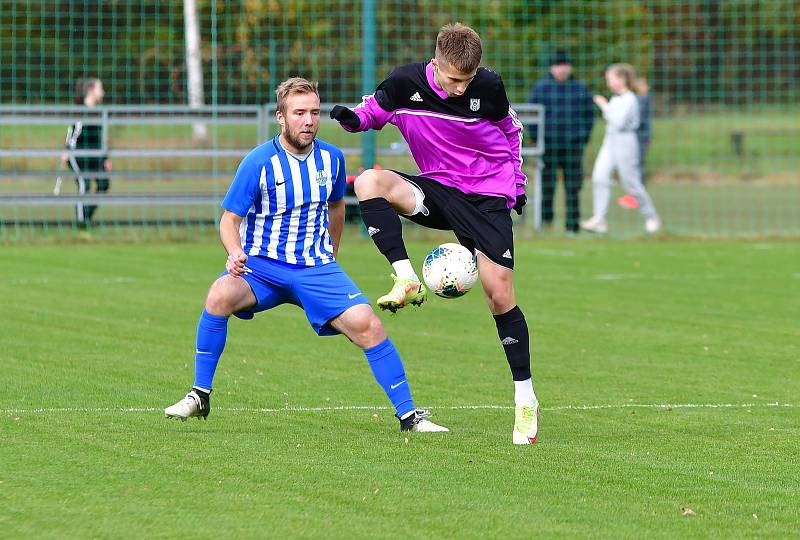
(324, 292)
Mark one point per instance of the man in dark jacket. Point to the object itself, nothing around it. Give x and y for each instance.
(568, 120)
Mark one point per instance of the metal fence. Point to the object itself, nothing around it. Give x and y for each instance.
(168, 180)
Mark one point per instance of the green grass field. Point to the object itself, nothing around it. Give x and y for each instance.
(667, 371)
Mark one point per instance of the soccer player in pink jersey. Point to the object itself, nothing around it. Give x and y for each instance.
(467, 142)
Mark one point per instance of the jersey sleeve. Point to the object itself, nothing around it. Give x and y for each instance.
(623, 113)
(73, 134)
(340, 182)
(376, 110)
(244, 188)
(511, 127)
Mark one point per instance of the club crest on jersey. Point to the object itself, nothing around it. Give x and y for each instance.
(322, 178)
(474, 104)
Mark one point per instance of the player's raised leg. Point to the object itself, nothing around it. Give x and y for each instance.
(512, 329)
(360, 324)
(227, 295)
(382, 195)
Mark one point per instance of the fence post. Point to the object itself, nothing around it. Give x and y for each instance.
(368, 44)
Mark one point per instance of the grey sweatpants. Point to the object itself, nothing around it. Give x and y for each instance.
(619, 151)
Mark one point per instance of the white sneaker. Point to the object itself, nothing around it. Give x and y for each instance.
(526, 424)
(193, 405)
(595, 225)
(420, 422)
(652, 225)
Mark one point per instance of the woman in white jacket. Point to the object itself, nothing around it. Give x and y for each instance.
(620, 151)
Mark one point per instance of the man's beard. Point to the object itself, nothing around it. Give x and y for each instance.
(294, 141)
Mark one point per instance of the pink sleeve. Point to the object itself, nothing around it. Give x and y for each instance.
(372, 115)
(512, 129)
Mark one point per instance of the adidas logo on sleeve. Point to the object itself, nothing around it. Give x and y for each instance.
(416, 97)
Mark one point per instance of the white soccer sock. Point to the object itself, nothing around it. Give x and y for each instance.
(403, 269)
(523, 393)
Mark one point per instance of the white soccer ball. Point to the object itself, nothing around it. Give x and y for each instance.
(450, 270)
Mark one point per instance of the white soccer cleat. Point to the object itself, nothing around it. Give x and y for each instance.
(420, 422)
(652, 225)
(191, 406)
(595, 225)
(526, 424)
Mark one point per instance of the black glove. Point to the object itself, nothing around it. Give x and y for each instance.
(346, 117)
(522, 200)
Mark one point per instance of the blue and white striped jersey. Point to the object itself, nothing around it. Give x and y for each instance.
(284, 202)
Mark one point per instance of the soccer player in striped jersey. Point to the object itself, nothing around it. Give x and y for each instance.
(467, 143)
(283, 219)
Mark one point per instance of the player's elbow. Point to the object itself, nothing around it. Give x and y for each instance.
(229, 222)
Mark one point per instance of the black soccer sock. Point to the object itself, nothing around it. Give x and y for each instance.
(202, 393)
(384, 227)
(513, 332)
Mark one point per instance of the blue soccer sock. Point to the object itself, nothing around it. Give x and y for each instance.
(387, 367)
(211, 333)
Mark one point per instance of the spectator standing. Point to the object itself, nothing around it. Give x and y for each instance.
(620, 151)
(85, 136)
(568, 119)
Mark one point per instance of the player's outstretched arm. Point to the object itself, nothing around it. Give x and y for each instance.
(229, 234)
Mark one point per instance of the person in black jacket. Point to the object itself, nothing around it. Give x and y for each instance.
(86, 136)
(569, 115)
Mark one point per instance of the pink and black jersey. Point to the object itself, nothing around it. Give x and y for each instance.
(471, 142)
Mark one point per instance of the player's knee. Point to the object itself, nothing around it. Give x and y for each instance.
(500, 299)
(369, 185)
(218, 301)
(500, 303)
(370, 331)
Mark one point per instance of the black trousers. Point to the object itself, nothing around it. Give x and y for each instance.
(91, 165)
(570, 161)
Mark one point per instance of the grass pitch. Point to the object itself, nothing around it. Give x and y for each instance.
(667, 371)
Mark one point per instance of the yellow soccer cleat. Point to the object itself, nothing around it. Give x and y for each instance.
(405, 291)
(526, 424)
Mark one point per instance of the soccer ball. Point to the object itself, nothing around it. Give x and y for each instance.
(450, 270)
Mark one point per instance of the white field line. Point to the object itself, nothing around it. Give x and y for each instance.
(292, 408)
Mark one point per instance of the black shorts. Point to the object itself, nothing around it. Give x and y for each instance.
(482, 223)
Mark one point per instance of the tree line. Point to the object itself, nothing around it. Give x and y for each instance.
(695, 53)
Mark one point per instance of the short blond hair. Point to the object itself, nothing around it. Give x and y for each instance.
(460, 46)
(626, 71)
(295, 85)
